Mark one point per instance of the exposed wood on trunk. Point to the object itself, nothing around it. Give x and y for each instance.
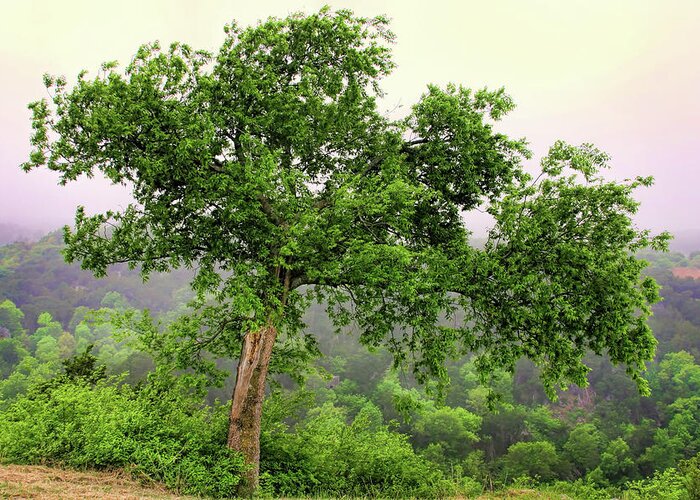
(246, 403)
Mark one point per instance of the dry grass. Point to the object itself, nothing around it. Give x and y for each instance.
(32, 481)
(39, 482)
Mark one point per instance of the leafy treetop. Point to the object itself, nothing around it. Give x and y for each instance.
(269, 170)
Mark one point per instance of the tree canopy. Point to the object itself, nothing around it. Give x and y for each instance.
(269, 169)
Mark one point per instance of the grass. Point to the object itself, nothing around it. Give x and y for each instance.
(524, 494)
(34, 481)
(40, 482)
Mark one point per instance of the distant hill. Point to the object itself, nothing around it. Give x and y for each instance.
(686, 241)
(36, 278)
(11, 233)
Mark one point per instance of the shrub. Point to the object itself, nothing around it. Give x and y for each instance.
(166, 436)
(532, 459)
(329, 456)
(691, 470)
(668, 485)
(579, 489)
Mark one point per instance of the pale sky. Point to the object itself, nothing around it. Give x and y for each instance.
(623, 74)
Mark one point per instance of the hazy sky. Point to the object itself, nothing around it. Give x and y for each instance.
(622, 74)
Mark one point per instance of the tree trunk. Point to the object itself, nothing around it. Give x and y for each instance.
(246, 403)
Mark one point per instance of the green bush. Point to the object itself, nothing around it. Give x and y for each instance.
(531, 459)
(330, 456)
(164, 435)
(691, 471)
(578, 489)
(668, 485)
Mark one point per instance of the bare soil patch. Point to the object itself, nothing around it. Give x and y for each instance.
(686, 272)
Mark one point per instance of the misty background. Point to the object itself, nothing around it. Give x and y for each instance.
(623, 75)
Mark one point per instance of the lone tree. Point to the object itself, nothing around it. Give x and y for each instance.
(270, 171)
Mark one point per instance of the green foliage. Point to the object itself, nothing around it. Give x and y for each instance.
(397, 402)
(680, 439)
(66, 345)
(48, 327)
(542, 425)
(47, 350)
(166, 436)
(329, 456)
(37, 279)
(84, 367)
(11, 319)
(453, 429)
(503, 428)
(269, 169)
(677, 376)
(665, 452)
(27, 373)
(268, 166)
(578, 489)
(536, 459)
(11, 353)
(583, 447)
(627, 449)
(677, 323)
(617, 465)
(691, 470)
(563, 223)
(668, 484)
(483, 393)
(114, 300)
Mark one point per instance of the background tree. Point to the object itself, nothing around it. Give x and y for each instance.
(11, 353)
(454, 429)
(47, 350)
(535, 459)
(48, 327)
(616, 464)
(11, 319)
(66, 345)
(583, 447)
(270, 170)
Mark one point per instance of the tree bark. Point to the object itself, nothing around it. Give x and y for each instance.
(246, 403)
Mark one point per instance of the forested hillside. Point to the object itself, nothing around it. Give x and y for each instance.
(88, 381)
(36, 278)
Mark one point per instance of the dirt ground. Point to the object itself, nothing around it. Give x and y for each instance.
(25, 481)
